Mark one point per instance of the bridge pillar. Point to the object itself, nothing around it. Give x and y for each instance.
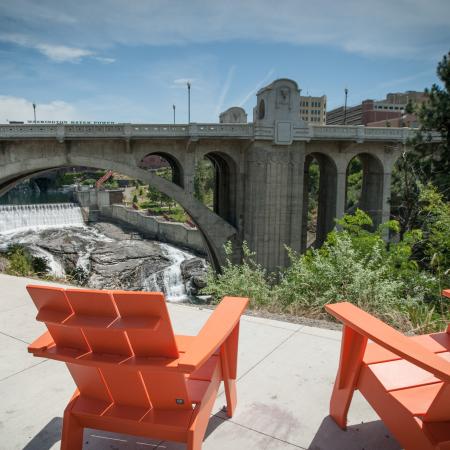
(373, 188)
(274, 201)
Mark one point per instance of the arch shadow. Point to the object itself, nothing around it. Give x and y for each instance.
(225, 188)
(175, 166)
(326, 211)
(371, 198)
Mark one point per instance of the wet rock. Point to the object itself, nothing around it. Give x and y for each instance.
(194, 272)
(3, 264)
(124, 264)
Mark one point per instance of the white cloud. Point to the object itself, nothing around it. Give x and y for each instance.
(57, 53)
(105, 60)
(403, 28)
(21, 109)
(182, 82)
(61, 53)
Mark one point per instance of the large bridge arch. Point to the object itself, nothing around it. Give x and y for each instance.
(22, 160)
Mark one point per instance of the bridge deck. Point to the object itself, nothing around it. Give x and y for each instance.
(286, 373)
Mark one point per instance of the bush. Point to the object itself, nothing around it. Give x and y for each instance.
(22, 263)
(248, 279)
(355, 264)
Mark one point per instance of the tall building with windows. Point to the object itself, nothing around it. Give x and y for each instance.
(313, 109)
(393, 106)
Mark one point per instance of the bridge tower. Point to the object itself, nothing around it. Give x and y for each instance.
(274, 175)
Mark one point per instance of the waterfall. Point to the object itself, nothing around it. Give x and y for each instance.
(16, 218)
(170, 280)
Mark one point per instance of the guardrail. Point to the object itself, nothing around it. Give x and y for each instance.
(357, 133)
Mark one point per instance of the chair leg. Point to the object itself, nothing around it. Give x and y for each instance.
(352, 352)
(229, 384)
(72, 432)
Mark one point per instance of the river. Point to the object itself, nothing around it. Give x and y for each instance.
(102, 255)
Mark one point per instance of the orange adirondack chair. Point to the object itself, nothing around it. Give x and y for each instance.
(133, 375)
(405, 379)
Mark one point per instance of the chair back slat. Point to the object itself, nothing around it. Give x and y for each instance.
(439, 410)
(90, 383)
(126, 387)
(50, 299)
(68, 338)
(149, 341)
(54, 309)
(167, 390)
(94, 312)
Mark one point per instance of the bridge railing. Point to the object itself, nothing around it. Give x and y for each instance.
(356, 133)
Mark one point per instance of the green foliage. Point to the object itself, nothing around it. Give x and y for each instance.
(89, 182)
(434, 248)
(204, 182)
(354, 182)
(248, 279)
(426, 161)
(135, 199)
(355, 264)
(22, 263)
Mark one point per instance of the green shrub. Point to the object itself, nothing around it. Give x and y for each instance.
(248, 279)
(22, 263)
(355, 264)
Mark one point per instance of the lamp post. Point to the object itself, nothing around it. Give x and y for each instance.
(34, 112)
(173, 106)
(345, 106)
(189, 102)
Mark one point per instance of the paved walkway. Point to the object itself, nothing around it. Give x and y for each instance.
(286, 374)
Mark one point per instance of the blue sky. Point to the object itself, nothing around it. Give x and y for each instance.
(128, 61)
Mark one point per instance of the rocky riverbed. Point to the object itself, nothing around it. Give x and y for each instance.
(105, 256)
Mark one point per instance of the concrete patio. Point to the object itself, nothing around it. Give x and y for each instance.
(286, 374)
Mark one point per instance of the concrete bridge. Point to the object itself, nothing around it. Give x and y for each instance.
(261, 193)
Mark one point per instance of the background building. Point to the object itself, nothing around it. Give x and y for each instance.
(313, 109)
(369, 111)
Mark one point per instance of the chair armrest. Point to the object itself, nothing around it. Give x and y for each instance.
(446, 293)
(215, 331)
(384, 335)
(41, 343)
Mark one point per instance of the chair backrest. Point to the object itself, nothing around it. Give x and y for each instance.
(446, 293)
(439, 410)
(102, 333)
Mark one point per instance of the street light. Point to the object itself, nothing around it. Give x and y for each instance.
(34, 111)
(189, 101)
(345, 106)
(173, 106)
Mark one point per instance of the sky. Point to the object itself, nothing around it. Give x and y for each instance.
(129, 61)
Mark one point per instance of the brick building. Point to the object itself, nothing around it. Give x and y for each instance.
(369, 111)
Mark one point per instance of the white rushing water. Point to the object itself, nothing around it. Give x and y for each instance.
(170, 279)
(24, 224)
(17, 218)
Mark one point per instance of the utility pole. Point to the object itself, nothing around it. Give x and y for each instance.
(189, 102)
(173, 106)
(34, 111)
(345, 106)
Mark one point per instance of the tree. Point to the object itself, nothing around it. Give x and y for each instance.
(427, 161)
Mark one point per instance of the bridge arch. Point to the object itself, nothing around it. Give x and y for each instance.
(174, 163)
(22, 160)
(225, 185)
(326, 196)
(372, 185)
